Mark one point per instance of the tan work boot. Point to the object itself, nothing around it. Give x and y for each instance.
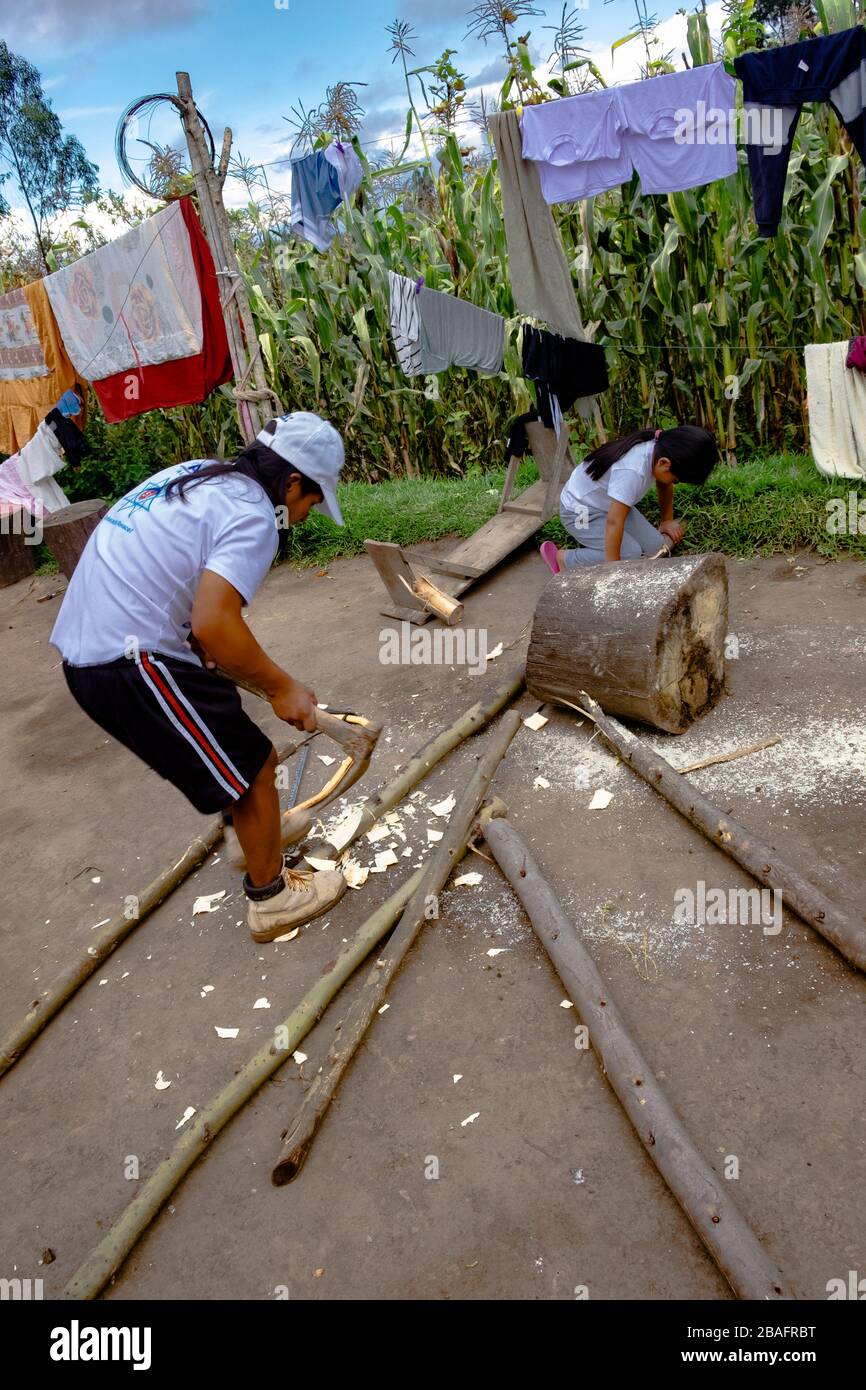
(304, 896)
(294, 825)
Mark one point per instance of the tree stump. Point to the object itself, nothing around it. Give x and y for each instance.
(66, 531)
(17, 558)
(645, 638)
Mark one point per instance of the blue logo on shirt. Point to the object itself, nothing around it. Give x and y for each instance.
(143, 500)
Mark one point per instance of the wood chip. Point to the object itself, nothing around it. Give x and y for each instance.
(384, 859)
(470, 1119)
(541, 783)
(354, 874)
(323, 758)
(187, 1115)
(379, 832)
(536, 721)
(600, 800)
(299, 1057)
(468, 880)
(433, 836)
(226, 1032)
(262, 1003)
(444, 808)
(344, 829)
(160, 1083)
(209, 902)
(289, 936)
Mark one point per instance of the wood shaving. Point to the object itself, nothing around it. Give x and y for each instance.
(600, 800)
(354, 874)
(209, 902)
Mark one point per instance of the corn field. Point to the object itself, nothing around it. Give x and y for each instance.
(701, 320)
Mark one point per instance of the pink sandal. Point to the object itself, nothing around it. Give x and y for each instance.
(548, 554)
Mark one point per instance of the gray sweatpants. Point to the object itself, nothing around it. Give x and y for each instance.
(640, 537)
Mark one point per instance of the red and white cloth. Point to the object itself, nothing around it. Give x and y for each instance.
(141, 317)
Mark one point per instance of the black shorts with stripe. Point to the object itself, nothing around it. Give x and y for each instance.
(186, 723)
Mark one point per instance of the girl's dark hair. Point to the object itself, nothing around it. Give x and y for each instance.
(258, 462)
(693, 452)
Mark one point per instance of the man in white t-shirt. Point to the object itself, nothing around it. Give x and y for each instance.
(161, 585)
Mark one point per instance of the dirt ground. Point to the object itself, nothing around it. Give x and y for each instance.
(758, 1039)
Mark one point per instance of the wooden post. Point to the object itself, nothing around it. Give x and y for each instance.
(420, 908)
(256, 402)
(844, 931)
(700, 1192)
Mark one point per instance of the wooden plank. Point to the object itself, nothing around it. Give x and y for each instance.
(392, 565)
(418, 616)
(456, 571)
(511, 474)
(546, 448)
(496, 539)
(512, 525)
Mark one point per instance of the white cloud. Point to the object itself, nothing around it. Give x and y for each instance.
(52, 23)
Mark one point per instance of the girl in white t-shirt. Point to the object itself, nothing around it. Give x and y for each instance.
(598, 505)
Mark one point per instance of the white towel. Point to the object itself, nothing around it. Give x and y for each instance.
(136, 301)
(837, 411)
(27, 478)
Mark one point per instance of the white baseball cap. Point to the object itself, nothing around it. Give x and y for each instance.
(316, 450)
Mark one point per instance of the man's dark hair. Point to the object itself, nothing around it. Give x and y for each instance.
(270, 470)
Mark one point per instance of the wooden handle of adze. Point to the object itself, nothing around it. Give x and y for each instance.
(356, 735)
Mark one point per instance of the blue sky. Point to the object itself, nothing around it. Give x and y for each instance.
(251, 62)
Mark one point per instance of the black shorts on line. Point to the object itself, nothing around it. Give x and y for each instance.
(185, 722)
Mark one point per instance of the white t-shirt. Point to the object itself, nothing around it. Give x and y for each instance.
(139, 572)
(628, 480)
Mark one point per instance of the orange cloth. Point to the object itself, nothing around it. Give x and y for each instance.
(24, 404)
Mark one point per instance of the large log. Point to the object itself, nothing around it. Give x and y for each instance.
(645, 638)
(17, 556)
(67, 531)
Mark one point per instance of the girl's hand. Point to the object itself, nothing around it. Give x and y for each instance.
(674, 530)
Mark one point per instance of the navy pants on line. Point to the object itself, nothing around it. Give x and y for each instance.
(830, 69)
